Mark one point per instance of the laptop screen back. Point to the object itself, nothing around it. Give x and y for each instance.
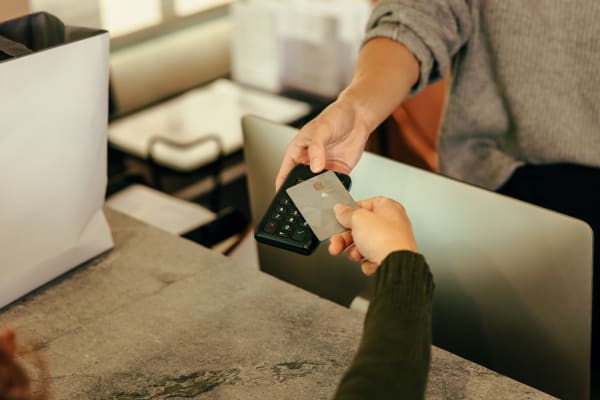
(513, 281)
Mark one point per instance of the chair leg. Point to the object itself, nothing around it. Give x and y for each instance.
(155, 174)
(217, 192)
(228, 222)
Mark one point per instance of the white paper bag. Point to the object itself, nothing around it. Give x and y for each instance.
(53, 123)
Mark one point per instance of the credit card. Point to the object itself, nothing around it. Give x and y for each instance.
(315, 199)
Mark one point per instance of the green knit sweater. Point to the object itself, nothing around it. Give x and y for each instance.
(525, 82)
(392, 361)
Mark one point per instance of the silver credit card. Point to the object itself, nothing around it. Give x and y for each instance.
(315, 199)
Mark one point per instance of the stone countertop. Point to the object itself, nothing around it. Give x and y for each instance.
(160, 317)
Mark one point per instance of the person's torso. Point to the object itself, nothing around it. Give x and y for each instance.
(525, 90)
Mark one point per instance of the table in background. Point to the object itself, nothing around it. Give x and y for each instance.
(163, 318)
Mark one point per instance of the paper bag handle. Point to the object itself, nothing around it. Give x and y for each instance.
(22, 36)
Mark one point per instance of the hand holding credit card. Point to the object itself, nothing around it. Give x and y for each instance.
(283, 224)
(315, 199)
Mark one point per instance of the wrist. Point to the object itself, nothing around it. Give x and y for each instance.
(393, 249)
(364, 121)
(385, 72)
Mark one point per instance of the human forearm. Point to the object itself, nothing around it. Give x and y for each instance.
(336, 138)
(433, 30)
(408, 45)
(393, 358)
(384, 74)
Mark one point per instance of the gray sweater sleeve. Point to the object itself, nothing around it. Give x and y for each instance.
(433, 30)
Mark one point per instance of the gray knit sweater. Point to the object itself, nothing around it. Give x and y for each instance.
(525, 79)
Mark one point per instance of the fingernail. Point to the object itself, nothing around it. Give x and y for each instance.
(338, 208)
(315, 164)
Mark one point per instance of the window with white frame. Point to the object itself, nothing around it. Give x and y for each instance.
(188, 7)
(124, 17)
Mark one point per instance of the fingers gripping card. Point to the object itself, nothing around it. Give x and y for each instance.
(315, 199)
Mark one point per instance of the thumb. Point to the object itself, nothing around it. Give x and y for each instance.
(344, 215)
(316, 148)
(316, 155)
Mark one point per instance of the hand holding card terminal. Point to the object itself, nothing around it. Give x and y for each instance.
(282, 225)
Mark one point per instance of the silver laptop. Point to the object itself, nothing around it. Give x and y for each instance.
(513, 281)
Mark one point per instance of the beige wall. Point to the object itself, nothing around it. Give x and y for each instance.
(13, 8)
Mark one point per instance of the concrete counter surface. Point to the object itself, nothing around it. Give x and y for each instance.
(160, 317)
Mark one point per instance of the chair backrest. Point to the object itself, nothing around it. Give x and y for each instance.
(173, 63)
(410, 134)
(513, 281)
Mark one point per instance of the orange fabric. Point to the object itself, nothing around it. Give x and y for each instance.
(410, 133)
(417, 123)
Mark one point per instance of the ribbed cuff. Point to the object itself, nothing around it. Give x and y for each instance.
(407, 276)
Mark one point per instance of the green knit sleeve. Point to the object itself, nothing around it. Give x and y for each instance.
(392, 361)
